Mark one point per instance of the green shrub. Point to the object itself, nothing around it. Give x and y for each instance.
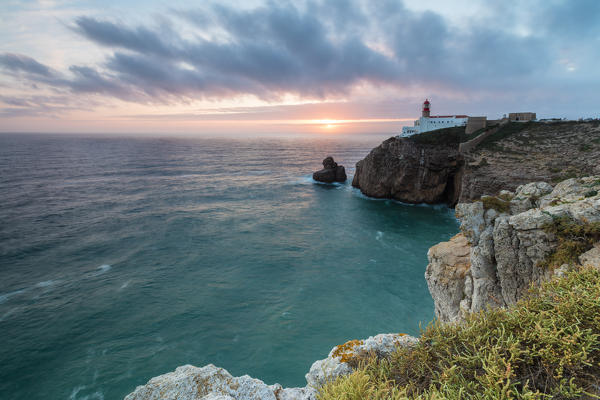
(591, 193)
(574, 238)
(496, 203)
(506, 130)
(448, 136)
(546, 346)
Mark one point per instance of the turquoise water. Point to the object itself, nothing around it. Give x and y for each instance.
(123, 258)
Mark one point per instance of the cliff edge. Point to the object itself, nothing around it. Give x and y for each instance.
(510, 242)
(411, 171)
(430, 168)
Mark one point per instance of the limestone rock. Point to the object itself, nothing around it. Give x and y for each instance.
(472, 223)
(528, 196)
(213, 383)
(591, 258)
(506, 249)
(336, 363)
(331, 172)
(572, 190)
(449, 263)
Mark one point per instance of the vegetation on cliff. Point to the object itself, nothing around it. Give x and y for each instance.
(574, 238)
(447, 136)
(546, 346)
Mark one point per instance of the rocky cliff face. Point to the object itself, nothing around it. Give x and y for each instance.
(502, 244)
(411, 172)
(213, 383)
(429, 168)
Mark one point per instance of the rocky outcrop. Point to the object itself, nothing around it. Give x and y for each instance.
(213, 383)
(446, 273)
(331, 172)
(507, 240)
(411, 172)
(430, 167)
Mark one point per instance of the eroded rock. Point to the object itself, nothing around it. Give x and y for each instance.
(336, 363)
(213, 383)
(506, 249)
(411, 172)
(331, 172)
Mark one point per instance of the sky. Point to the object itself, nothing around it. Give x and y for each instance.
(318, 66)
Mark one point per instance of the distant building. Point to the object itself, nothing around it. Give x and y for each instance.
(521, 117)
(430, 123)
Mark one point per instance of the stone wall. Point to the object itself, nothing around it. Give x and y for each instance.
(475, 123)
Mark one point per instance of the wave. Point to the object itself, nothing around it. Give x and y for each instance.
(103, 268)
(6, 296)
(97, 395)
(45, 284)
(358, 193)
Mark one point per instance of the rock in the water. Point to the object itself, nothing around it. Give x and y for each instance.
(331, 172)
(506, 248)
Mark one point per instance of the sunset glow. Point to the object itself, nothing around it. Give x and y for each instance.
(72, 66)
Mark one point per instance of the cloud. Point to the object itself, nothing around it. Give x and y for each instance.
(318, 49)
(21, 63)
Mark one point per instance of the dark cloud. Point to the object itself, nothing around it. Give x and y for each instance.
(22, 63)
(316, 49)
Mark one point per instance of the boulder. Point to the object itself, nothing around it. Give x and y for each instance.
(331, 172)
(591, 258)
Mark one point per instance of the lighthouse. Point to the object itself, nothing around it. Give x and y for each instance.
(426, 109)
(429, 122)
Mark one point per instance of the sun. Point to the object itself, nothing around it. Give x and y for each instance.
(327, 123)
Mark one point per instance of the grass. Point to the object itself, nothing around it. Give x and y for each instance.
(448, 136)
(546, 346)
(574, 238)
(591, 193)
(496, 203)
(571, 173)
(505, 131)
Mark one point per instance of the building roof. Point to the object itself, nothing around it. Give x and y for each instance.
(449, 116)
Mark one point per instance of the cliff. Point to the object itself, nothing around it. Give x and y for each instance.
(412, 171)
(510, 242)
(429, 168)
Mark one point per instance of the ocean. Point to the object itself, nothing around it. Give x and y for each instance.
(122, 258)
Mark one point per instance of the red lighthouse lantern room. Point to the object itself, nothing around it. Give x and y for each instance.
(426, 108)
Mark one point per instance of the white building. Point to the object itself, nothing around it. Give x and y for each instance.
(429, 123)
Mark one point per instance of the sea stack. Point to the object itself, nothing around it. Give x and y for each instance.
(331, 172)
